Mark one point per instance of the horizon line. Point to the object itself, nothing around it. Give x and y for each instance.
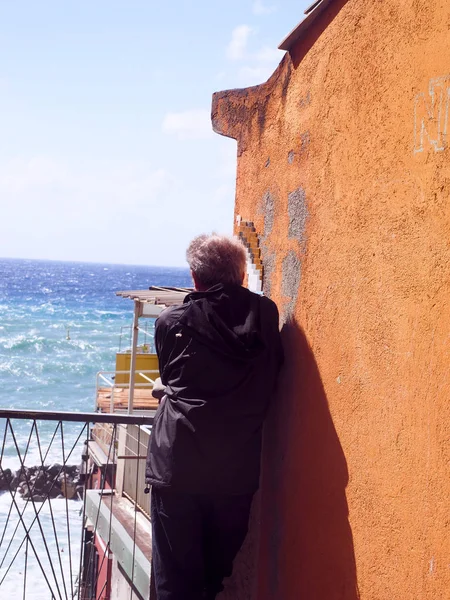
(88, 262)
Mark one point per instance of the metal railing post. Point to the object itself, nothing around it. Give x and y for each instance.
(137, 312)
(99, 483)
(111, 404)
(121, 450)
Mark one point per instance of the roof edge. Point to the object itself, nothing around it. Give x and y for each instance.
(311, 15)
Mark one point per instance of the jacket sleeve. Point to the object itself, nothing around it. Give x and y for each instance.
(163, 343)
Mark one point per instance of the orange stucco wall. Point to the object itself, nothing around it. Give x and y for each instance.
(344, 169)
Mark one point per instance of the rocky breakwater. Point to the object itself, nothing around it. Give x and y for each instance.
(41, 483)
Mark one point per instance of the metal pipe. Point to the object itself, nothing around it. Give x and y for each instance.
(126, 372)
(147, 378)
(77, 417)
(111, 403)
(127, 385)
(137, 310)
(104, 379)
(131, 457)
(145, 331)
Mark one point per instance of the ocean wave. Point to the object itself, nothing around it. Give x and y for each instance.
(50, 552)
(10, 367)
(43, 307)
(41, 369)
(113, 313)
(27, 377)
(41, 344)
(30, 449)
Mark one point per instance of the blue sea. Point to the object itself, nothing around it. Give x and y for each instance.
(42, 304)
(61, 323)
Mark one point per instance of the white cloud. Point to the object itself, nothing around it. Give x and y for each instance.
(260, 63)
(254, 75)
(237, 48)
(104, 211)
(20, 174)
(259, 8)
(268, 54)
(44, 186)
(228, 159)
(223, 194)
(189, 124)
(139, 187)
(220, 76)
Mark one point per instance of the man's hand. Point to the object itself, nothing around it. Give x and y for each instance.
(159, 389)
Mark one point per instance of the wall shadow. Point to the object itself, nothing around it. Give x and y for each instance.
(306, 544)
(324, 18)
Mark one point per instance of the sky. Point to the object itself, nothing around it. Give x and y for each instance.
(106, 147)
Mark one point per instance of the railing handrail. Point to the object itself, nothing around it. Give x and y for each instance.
(77, 417)
(127, 372)
(102, 376)
(147, 378)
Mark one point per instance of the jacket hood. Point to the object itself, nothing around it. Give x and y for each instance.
(226, 318)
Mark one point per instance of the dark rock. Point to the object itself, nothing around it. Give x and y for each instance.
(6, 477)
(85, 453)
(43, 481)
(53, 470)
(37, 498)
(40, 479)
(16, 479)
(69, 490)
(23, 489)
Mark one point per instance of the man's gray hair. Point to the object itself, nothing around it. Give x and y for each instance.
(217, 259)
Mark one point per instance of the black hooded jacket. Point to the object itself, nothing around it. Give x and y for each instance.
(219, 356)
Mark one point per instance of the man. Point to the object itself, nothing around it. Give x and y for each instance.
(219, 356)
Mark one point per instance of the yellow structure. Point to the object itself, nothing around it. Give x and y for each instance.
(144, 362)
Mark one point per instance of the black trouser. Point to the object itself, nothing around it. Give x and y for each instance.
(195, 540)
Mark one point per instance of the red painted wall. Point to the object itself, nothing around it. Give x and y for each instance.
(104, 570)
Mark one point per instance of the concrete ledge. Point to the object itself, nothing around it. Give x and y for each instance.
(121, 543)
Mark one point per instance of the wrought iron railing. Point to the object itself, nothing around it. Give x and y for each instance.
(116, 395)
(146, 339)
(66, 529)
(135, 451)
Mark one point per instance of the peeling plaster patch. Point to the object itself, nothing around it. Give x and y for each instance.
(291, 156)
(287, 78)
(305, 100)
(268, 259)
(291, 272)
(432, 565)
(431, 116)
(261, 110)
(267, 208)
(298, 214)
(267, 162)
(305, 139)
